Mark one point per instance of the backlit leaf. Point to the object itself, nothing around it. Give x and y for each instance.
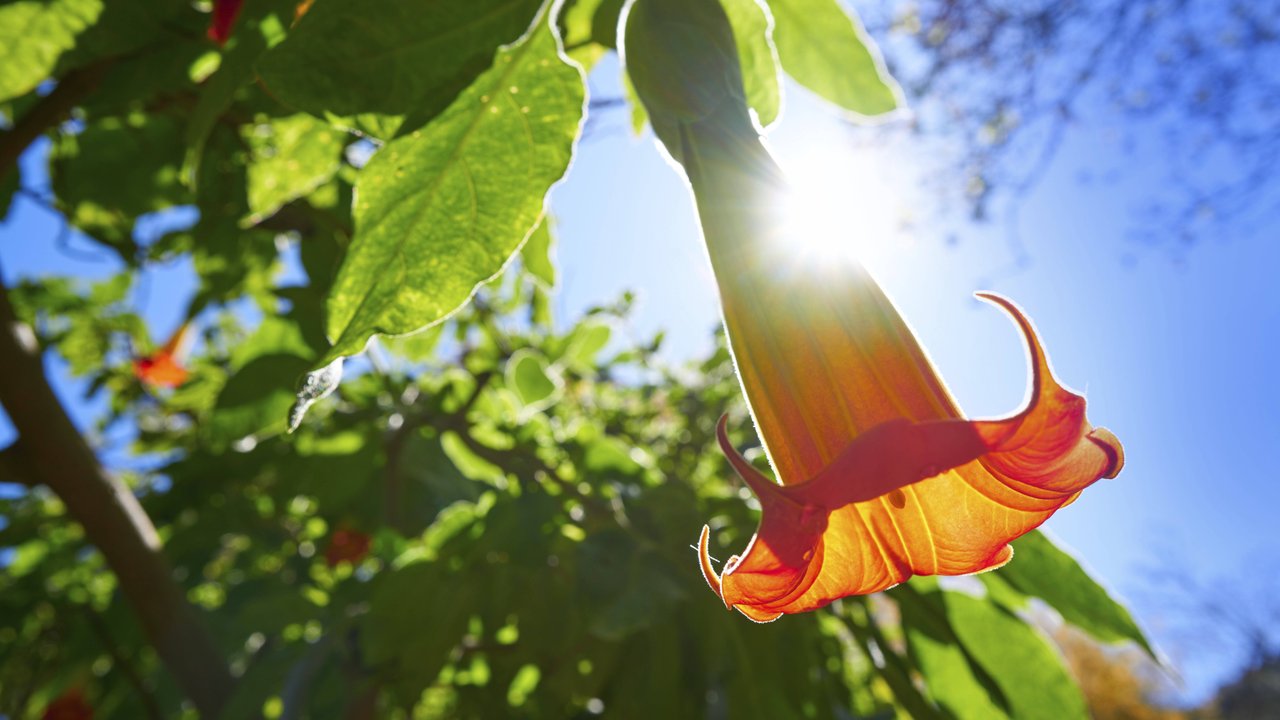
(1045, 571)
(757, 58)
(535, 383)
(827, 51)
(954, 680)
(34, 35)
(389, 58)
(584, 343)
(1026, 668)
(440, 211)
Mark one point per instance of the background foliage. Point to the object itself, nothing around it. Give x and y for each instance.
(490, 517)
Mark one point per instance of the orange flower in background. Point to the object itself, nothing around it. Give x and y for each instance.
(163, 368)
(70, 705)
(347, 545)
(882, 477)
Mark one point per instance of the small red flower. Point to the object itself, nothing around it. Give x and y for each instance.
(346, 545)
(163, 368)
(70, 705)
(223, 21)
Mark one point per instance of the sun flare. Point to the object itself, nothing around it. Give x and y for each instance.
(845, 206)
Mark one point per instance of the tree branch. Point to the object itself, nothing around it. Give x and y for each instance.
(16, 467)
(112, 518)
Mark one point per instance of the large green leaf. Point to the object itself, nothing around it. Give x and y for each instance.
(1022, 663)
(757, 58)
(827, 51)
(954, 680)
(34, 35)
(389, 58)
(440, 211)
(1042, 569)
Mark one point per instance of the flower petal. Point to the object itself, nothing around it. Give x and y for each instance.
(867, 520)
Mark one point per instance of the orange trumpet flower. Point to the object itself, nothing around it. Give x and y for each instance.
(163, 368)
(882, 477)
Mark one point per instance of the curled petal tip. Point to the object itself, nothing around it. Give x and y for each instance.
(1002, 302)
(704, 561)
(759, 484)
(1110, 444)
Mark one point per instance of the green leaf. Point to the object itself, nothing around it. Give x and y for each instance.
(827, 51)
(756, 55)
(427, 464)
(115, 170)
(262, 27)
(256, 399)
(291, 156)
(584, 343)
(274, 336)
(626, 587)
(1042, 569)
(535, 383)
(389, 58)
(1027, 669)
(952, 677)
(604, 22)
(440, 211)
(536, 254)
(588, 29)
(230, 260)
(472, 466)
(524, 683)
(417, 614)
(129, 30)
(34, 36)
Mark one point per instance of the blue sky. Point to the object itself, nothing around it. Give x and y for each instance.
(1174, 356)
